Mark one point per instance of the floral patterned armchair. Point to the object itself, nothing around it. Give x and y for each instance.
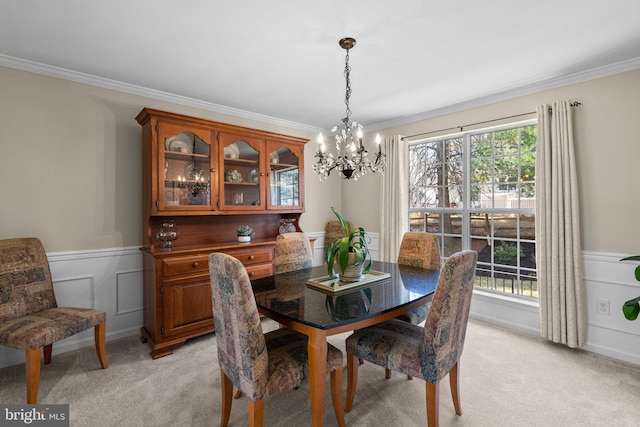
(30, 319)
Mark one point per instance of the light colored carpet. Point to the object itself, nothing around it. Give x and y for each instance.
(508, 379)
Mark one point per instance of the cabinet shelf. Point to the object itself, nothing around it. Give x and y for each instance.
(180, 155)
(176, 183)
(245, 183)
(240, 162)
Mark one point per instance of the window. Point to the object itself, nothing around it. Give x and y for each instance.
(284, 187)
(476, 190)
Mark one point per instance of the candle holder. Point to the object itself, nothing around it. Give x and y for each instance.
(167, 233)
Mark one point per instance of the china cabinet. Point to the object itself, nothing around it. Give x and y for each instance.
(202, 180)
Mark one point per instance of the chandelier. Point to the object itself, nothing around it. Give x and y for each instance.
(351, 157)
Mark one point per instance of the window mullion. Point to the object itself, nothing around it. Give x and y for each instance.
(466, 188)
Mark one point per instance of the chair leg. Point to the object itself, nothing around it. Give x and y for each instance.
(387, 373)
(32, 365)
(100, 332)
(454, 382)
(226, 392)
(352, 380)
(256, 413)
(47, 353)
(238, 394)
(433, 403)
(336, 395)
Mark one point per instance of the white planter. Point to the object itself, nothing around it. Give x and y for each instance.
(244, 239)
(352, 273)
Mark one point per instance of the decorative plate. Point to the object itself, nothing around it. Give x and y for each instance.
(274, 157)
(180, 143)
(232, 151)
(253, 176)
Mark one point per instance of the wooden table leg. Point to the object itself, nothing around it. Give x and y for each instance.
(317, 348)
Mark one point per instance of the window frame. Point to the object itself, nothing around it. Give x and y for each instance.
(467, 210)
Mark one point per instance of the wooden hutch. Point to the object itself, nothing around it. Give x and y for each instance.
(208, 178)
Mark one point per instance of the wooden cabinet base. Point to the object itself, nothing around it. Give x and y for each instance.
(166, 346)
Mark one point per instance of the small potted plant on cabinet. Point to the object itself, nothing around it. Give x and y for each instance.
(631, 308)
(244, 233)
(351, 252)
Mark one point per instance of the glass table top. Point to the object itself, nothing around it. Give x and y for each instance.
(288, 295)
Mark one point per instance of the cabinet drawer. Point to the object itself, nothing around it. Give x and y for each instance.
(185, 265)
(259, 271)
(253, 256)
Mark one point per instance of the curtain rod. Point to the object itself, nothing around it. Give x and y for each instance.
(573, 104)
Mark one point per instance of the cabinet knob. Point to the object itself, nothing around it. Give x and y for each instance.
(195, 265)
(251, 257)
(212, 170)
(252, 273)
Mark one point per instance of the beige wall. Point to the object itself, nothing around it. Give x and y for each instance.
(70, 163)
(607, 149)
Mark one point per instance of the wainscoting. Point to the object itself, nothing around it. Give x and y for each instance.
(111, 280)
(609, 284)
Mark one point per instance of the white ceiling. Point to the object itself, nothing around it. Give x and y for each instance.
(281, 58)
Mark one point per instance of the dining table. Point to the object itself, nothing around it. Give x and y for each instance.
(312, 303)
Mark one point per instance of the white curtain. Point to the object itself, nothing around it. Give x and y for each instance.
(558, 251)
(394, 201)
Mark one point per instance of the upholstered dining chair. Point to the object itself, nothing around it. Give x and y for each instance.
(334, 229)
(292, 252)
(430, 352)
(258, 364)
(30, 319)
(418, 249)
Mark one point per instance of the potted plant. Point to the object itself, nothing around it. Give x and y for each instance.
(244, 233)
(631, 308)
(351, 252)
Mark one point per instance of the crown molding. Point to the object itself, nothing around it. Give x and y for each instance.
(515, 92)
(78, 77)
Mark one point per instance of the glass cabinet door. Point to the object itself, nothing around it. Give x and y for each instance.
(185, 168)
(242, 179)
(284, 176)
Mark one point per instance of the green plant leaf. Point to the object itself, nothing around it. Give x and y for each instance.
(631, 309)
(637, 270)
(355, 241)
(342, 222)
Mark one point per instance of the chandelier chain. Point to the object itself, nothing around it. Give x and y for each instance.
(347, 94)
